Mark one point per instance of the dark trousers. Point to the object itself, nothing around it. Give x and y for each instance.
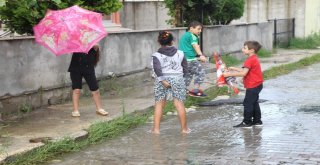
(252, 112)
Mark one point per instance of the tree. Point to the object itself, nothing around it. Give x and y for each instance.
(21, 15)
(209, 12)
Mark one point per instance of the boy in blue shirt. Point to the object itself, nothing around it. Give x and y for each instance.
(189, 44)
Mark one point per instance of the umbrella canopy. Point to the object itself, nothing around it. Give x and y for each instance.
(73, 29)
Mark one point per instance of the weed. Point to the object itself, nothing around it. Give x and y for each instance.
(310, 42)
(25, 108)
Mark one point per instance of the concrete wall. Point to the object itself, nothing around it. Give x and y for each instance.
(305, 12)
(144, 15)
(30, 73)
(231, 38)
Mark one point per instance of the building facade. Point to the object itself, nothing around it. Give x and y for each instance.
(305, 12)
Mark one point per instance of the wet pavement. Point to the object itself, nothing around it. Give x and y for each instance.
(289, 134)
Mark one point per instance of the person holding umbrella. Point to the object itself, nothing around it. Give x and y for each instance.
(82, 66)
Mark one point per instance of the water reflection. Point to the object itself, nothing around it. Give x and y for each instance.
(252, 137)
(174, 154)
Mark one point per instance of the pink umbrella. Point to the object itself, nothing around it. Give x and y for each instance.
(73, 29)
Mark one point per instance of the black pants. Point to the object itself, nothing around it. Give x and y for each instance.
(252, 112)
(76, 79)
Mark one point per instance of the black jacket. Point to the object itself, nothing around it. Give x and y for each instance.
(83, 62)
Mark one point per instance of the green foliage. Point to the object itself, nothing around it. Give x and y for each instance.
(227, 10)
(21, 15)
(213, 11)
(102, 6)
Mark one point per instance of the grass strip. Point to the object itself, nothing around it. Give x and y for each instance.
(287, 68)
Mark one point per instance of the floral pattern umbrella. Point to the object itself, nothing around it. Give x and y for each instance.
(73, 29)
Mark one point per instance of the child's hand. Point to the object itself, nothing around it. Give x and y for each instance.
(231, 68)
(203, 58)
(226, 74)
(165, 84)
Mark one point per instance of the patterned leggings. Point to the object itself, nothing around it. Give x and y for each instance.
(178, 89)
(195, 69)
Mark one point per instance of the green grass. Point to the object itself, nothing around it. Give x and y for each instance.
(310, 42)
(263, 53)
(230, 60)
(102, 131)
(287, 68)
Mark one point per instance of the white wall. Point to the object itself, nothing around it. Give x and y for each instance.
(305, 12)
(141, 15)
(312, 17)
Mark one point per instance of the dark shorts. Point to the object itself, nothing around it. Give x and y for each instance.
(76, 78)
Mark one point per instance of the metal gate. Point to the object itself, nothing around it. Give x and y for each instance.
(283, 30)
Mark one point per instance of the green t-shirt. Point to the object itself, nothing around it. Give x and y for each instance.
(185, 45)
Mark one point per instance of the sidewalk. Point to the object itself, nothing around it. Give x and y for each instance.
(56, 121)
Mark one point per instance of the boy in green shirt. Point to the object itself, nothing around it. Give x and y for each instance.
(189, 44)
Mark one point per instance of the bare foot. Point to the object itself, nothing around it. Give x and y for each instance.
(154, 131)
(188, 130)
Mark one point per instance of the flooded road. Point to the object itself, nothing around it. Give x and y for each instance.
(290, 134)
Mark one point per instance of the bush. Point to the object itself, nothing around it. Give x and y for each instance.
(21, 15)
(209, 12)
